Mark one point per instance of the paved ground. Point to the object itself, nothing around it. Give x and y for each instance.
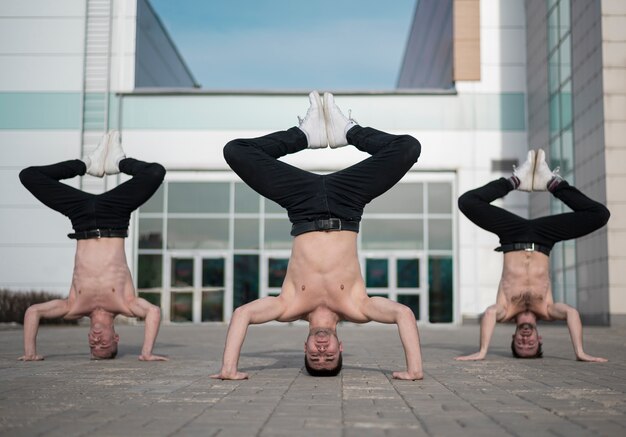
(69, 395)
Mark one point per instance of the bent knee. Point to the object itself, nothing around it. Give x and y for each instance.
(27, 175)
(465, 202)
(156, 171)
(412, 147)
(603, 215)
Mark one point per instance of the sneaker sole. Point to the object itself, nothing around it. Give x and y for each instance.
(330, 127)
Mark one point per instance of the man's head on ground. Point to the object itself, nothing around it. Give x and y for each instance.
(526, 342)
(102, 337)
(322, 352)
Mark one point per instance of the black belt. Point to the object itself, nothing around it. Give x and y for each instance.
(99, 233)
(332, 224)
(529, 247)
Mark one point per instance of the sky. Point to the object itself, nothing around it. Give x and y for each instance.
(336, 45)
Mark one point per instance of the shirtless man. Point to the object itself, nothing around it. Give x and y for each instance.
(102, 286)
(323, 284)
(525, 293)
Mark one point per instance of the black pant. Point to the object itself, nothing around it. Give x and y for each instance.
(93, 211)
(587, 216)
(309, 196)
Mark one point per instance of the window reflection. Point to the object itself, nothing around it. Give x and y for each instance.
(198, 197)
(182, 272)
(150, 233)
(213, 305)
(376, 272)
(197, 233)
(180, 310)
(392, 234)
(149, 269)
(408, 271)
(412, 301)
(403, 198)
(245, 279)
(277, 269)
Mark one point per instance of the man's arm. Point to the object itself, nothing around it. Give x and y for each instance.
(487, 325)
(48, 310)
(561, 311)
(258, 311)
(384, 310)
(152, 319)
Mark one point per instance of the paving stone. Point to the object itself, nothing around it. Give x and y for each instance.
(67, 394)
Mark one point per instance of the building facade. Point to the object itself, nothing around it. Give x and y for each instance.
(205, 243)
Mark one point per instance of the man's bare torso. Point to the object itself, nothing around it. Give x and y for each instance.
(101, 278)
(525, 284)
(324, 272)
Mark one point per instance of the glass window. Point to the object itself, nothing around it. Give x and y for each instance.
(385, 295)
(197, 233)
(213, 272)
(403, 198)
(412, 301)
(440, 198)
(246, 199)
(553, 72)
(202, 197)
(566, 161)
(272, 207)
(376, 273)
(569, 286)
(555, 118)
(246, 233)
(149, 268)
(182, 272)
(181, 308)
(155, 203)
(153, 298)
(553, 29)
(408, 271)
(440, 289)
(213, 306)
(277, 234)
(277, 269)
(564, 17)
(245, 279)
(565, 55)
(566, 109)
(150, 233)
(440, 234)
(407, 234)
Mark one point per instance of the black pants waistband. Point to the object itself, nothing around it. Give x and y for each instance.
(530, 247)
(99, 233)
(331, 224)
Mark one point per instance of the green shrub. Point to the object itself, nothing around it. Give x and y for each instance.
(13, 305)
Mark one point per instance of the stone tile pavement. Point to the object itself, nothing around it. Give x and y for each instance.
(69, 395)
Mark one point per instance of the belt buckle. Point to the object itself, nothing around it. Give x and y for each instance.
(98, 234)
(530, 248)
(334, 224)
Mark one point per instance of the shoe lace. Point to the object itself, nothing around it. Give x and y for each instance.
(556, 173)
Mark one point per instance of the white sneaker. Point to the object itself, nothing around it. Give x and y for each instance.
(525, 172)
(313, 124)
(115, 153)
(337, 124)
(543, 175)
(95, 160)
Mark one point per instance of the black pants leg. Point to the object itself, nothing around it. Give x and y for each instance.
(90, 211)
(587, 216)
(308, 196)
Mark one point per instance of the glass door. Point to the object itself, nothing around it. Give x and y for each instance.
(197, 287)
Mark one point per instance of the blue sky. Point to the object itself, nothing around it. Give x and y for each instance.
(335, 45)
